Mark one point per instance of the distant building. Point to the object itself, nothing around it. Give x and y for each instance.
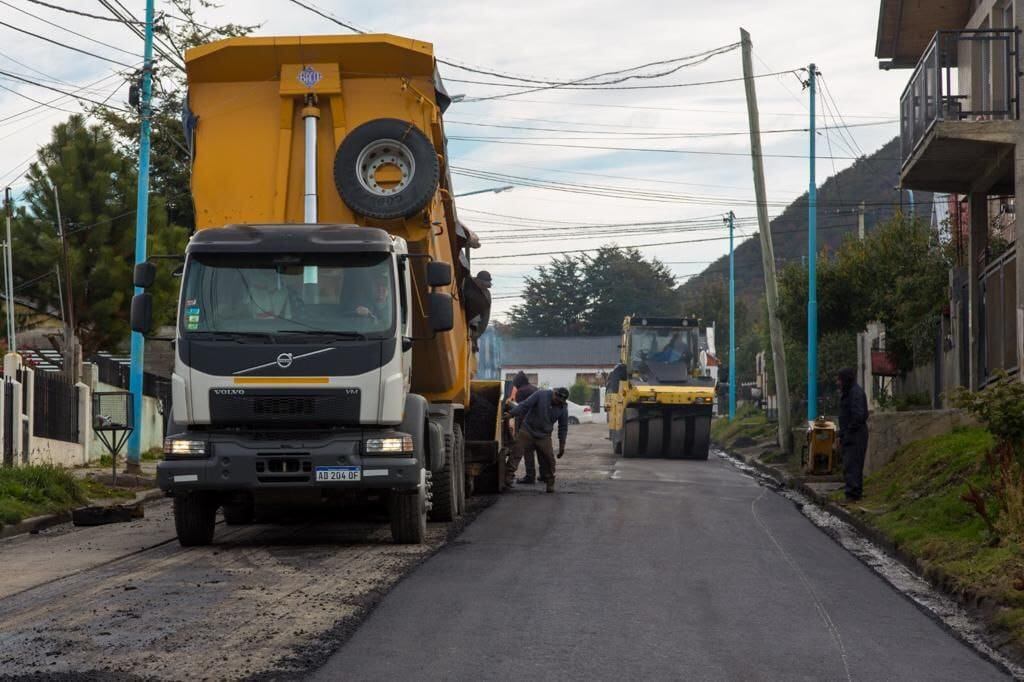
(551, 362)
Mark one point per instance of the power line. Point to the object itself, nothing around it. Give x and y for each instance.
(67, 30)
(612, 87)
(64, 45)
(664, 62)
(72, 11)
(128, 20)
(649, 150)
(35, 110)
(650, 135)
(66, 94)
(839, 113)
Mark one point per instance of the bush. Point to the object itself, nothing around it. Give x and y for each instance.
(1000, 502)
(579, 393)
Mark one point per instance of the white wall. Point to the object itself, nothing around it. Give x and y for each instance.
(55, 452)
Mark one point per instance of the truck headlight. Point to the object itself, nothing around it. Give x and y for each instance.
(184, 448)
(387, 446)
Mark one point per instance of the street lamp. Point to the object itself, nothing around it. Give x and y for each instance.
(496, 190)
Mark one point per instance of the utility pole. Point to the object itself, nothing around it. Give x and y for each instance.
(812, 268)
(732, 319)
(141, 225)
(860, 221)
(12, 341)
(767, 251)
(70, 341)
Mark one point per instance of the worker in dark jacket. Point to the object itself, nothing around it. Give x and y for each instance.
(853, 432)
(522, 389)
(540, 412)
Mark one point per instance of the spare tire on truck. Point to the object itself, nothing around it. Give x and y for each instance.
(386, 169)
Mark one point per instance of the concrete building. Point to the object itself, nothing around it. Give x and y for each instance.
(550, 362)
(961, 134)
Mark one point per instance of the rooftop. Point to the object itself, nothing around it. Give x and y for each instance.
(560, 351)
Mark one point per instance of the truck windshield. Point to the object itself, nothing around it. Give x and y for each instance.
(665, 346)
(350, 293)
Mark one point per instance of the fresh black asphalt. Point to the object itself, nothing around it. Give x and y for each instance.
(649, 569)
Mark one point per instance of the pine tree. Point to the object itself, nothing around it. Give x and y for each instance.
(96, 185)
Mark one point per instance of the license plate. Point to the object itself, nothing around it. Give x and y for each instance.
(338, 474)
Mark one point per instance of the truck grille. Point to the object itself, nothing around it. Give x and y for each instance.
(263, 407)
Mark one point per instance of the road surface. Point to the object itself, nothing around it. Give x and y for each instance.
(636, 569)
(648, 569)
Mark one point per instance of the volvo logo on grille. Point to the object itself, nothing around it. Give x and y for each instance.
(229, 391)
(284, 360)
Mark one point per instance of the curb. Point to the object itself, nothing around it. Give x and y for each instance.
(39, 523)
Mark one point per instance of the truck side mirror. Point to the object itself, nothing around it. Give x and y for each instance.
(442, 312)
(142, 313)
(145, 275)
(439, 274)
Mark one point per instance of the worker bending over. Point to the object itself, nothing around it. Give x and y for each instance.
(540, 412)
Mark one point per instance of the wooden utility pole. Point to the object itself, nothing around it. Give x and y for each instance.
(767, 251)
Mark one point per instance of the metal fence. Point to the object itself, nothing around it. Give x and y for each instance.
(963, 75)
(56, 408)
(118, 374)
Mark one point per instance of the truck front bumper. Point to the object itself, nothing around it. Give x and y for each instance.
(242, 463)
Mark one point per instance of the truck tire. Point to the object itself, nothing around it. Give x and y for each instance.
(392, 145)
(408, 511)
(239, 512)
(655, 437)
(631, 439)
(677, 438)
(444, 488)
(701, 441)
(195, 516)
(463, 482)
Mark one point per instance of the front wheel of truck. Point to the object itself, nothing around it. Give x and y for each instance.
(195, 516)
(409, 514)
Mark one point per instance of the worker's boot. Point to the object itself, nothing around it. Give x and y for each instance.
(551, 484)
(527, 480)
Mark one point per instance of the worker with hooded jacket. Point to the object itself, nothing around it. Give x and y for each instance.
(521, 390)
(540, 412)
(853, 432)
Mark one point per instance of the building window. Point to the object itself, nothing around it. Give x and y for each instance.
(592, 378)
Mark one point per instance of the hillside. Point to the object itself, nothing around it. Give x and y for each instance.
(872, 179)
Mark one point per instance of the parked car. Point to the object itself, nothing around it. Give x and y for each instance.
(580, 414)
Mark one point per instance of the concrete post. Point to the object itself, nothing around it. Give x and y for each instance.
(28, 411)
(84, 419)
(977, 241)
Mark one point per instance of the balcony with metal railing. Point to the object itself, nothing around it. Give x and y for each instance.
(958, 113)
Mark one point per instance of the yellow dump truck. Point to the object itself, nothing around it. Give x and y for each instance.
(660, 398)
(327, 314)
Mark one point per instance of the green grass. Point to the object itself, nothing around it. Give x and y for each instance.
(915, 501)
(35, 490)
(153, 455)
(95, 490)
(750, 423)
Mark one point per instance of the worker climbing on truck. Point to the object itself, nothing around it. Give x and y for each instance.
(540, 412)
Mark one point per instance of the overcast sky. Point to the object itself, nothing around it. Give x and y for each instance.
(563, 40)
